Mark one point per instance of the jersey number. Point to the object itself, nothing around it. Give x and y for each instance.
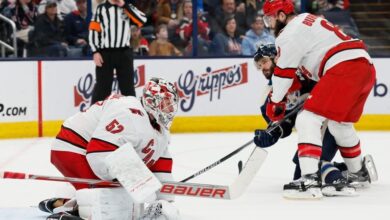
(329, 26)
(114, 127)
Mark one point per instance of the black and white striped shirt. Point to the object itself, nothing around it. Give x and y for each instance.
(110, 26)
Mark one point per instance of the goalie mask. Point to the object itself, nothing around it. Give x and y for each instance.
(160, 99)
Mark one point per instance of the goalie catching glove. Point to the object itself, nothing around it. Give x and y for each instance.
(161, 210)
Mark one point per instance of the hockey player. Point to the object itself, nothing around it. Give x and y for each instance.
(117, 139)
(344, 74)
(333, 182)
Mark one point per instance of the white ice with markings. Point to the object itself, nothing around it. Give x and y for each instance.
(191, 152)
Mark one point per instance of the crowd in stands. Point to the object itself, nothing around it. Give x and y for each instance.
(59, 28)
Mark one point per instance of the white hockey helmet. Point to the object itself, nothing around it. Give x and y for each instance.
(160, 99)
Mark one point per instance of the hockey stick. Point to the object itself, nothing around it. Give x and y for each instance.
(216, 163)
(276, 124)
(270, 128)
(232, 191)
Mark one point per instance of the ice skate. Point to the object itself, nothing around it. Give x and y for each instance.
(47, 205)
(365, 175)
(339, 187)
(64, 216)
(368, 163)
(307, 187)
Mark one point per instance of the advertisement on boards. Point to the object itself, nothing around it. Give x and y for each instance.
(207, 87)
(18, 91)
(379, 100)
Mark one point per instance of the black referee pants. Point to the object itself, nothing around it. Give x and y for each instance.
(120, 59)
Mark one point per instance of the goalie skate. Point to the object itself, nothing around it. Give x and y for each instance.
(64, 216)
(47, 205)
(307, 187)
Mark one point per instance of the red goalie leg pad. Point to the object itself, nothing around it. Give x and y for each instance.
(309, 150)
(350, 152)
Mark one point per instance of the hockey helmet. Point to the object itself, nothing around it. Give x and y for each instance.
(265, 50)
(160, 99)
(271, 7)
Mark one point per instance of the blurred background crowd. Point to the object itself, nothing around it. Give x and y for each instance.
(59, 28)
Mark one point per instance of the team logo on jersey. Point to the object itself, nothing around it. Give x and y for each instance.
(82, 91)
(293, 100)
(191, 86)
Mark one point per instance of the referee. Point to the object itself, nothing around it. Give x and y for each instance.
(109, 39)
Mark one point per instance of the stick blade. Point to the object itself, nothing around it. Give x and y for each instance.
(248, 172)
(239, 166)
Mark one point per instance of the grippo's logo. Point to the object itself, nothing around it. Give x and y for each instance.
(139, 76)
(83, 90)
(191, 86)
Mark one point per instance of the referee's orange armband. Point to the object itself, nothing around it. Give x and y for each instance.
(95, 26)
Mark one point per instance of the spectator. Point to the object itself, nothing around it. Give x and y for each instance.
(139, 44)
(64, 7)
(185, 30)
(23, 13)
(76, 30)
(161, 46)
(4, 4)
(228, 42)
(318, 6)
(210, 6)
(48, 33)
(170, 12)
(226, 10)
(256, 36)
(342, 18)
(250, 8)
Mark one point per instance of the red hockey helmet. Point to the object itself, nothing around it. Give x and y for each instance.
(271, 7)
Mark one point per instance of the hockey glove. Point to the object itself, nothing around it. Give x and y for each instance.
(265, 139)
(275, 111)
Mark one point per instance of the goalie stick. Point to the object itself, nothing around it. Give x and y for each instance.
(200, 190)
(270, 128)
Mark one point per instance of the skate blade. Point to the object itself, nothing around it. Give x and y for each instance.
(371, 168)
(360, 185)
(310, 194)
(331, 191)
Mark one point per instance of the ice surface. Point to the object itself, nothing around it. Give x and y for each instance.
(262, 200)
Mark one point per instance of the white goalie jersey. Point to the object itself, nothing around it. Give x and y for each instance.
(108, 125)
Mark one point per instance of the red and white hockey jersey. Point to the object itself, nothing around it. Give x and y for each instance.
(105, 127)
(312, 45)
